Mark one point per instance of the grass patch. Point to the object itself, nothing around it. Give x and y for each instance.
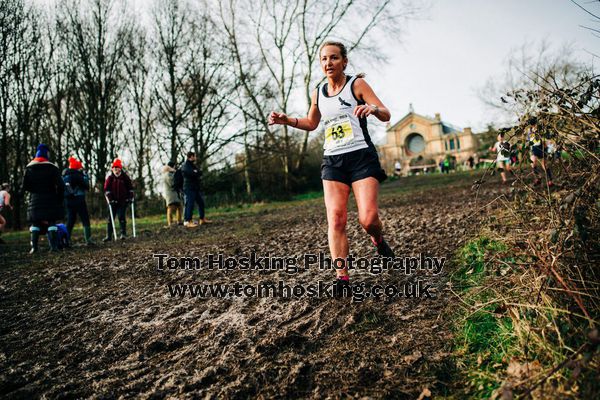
(483, 342)
(308, 196)
(473, 258)
(483, 338)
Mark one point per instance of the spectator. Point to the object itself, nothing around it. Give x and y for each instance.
(77, 183)
(171, 194)
(192, 189)
(446, 163)
(4, 203)
(42, 179)
(118, 189)
(471, 162)
(397, 168)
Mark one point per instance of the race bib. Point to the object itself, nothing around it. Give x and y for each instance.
(338, 132)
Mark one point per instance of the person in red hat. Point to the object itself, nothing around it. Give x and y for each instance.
(77, 183)
(118, 189)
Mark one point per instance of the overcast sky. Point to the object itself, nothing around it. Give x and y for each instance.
(440, 62)
(444, 60)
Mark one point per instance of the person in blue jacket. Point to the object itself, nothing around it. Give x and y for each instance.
(77, 183)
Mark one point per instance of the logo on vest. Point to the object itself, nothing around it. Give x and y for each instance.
(344, 102)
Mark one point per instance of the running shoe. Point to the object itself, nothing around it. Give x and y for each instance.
(383, 248)
(342, 288)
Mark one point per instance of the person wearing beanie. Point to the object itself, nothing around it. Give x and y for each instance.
(118, 189)
(77, 183)
(43, 181)
(192, 189)
(171, 194)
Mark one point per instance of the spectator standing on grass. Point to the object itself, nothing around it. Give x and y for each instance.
(397, 168)
(171, 194)
(446, 163)
(119, 191)
(471, 162)
(43, 181)
(4, 203)
(192, 190)
(77, 183)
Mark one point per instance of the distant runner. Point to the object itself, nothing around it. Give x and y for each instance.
(502, 148)
(538, 154)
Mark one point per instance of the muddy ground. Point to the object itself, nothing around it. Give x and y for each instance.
(100, 323)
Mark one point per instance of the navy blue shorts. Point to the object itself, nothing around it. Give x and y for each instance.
(538, 151)
(353, 166)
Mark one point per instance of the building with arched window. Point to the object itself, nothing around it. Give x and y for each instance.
(419, 142)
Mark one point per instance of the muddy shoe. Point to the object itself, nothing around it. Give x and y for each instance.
(342, 288)
(383, 248)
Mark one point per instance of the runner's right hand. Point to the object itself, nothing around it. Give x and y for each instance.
(278, 118)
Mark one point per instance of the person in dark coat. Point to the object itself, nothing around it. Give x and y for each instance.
(42, 180)
(77, 183)
(192, 190)
(119, 191)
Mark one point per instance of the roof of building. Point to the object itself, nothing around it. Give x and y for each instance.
(446, 127)
(449, 128)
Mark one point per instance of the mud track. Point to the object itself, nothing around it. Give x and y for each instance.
(100, 322)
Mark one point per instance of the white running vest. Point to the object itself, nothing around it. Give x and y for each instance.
(344, 132)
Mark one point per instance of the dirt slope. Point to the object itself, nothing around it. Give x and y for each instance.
(100, 322)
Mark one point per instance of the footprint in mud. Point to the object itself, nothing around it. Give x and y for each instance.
(299, 381)
(290, 341)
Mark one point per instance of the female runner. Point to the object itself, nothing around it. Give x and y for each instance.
(350, 159)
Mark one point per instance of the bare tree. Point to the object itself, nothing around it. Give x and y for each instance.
(141, 110)
(96, 35)
(24, 78)
(527, 69)
(209, 92)
(57, 121)
(287, 36)
(172, 42)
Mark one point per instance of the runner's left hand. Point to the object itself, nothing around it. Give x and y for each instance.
(364, 110)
